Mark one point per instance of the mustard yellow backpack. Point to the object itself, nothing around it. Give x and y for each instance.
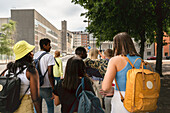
(142, 89)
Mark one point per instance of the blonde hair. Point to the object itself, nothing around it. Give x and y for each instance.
(93, 53)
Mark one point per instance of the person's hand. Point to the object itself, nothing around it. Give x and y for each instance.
(107, 93)
(52, 96)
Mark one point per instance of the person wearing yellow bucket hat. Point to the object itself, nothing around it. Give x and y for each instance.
(46, 64)
(28, 75)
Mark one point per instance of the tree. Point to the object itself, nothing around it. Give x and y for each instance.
(6, 41)
(138, 17)
(109, 17)
(162, 12)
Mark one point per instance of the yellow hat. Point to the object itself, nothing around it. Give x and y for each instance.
(21, 49)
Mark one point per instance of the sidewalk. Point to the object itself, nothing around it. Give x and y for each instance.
(164, 97)
(57, 109)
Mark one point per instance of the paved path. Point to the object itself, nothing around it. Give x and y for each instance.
(164, 97)
(163, 101)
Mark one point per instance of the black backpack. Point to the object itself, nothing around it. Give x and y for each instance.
(10, 92)
(88, 102)
(37, 66)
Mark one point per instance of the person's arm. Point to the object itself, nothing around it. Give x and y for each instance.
(103, 57)
(50, 76)
(56, 100)
(110, 75)
(34, 88)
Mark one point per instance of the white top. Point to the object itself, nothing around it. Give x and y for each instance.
(24, 82)
(117, 105)
(45, 61)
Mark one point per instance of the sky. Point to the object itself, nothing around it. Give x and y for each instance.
(54, 11)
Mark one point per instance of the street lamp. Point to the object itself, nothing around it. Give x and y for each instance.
(88, 32)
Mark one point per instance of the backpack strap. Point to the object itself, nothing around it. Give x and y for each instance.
(129, 62)
(74, 105)
(82, 82)
(3, 72)
(133, 67)
(41, 55)
(39, 62)
(122, 98)
(24, 94)
(76, 99)
(56, 62)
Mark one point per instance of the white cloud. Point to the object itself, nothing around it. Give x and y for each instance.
(54, 11)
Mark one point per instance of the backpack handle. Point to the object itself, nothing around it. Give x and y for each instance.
(144, 63)
(81, 85)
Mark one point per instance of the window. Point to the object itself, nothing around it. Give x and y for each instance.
(148, 53)
(148, 46)
(166, 53)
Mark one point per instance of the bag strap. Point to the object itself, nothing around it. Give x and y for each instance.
(122, 98)
(82, 82)
(39, 62)
(56, 62)
(3, 72)
(76, 99)
(133, 67)
(41, 55)
(24, 94)
(74, 105)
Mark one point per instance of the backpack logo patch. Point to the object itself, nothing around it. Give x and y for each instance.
(149, 84)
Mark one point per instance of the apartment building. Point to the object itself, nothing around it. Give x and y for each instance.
(32, 27)
(80, 38)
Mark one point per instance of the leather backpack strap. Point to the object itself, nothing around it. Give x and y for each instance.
(122, 98)
(3, 72)
(129, 62)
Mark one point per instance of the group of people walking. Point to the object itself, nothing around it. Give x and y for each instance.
(99, 75)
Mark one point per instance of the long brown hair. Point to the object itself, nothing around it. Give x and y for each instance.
(75, 68)
(123, 45)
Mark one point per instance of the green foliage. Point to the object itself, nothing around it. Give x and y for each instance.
(6, 40)
(109, 17)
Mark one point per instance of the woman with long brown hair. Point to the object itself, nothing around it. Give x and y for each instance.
(65, 90)
(117, 69)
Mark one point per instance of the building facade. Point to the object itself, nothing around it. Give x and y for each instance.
(166, 47)
(84, 39)
(32, 27)
(69, 42)
(76, 39)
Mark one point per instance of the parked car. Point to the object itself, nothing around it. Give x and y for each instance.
(151, 58)
(167, 57)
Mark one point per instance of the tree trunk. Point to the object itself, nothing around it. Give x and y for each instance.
(142, 43)
(159, 37)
